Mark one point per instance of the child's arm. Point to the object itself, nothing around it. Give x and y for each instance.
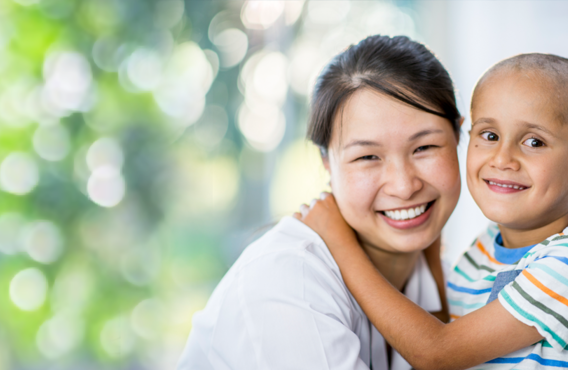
(424, 341)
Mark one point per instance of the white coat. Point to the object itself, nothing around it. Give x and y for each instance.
(284, 305)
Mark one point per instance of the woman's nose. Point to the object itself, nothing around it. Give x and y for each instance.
(401, 181)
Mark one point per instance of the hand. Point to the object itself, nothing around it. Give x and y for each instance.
(323, 216)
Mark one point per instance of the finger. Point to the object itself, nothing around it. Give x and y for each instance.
(323, 195)
(297, 215)
(313, 203)
(304, 209)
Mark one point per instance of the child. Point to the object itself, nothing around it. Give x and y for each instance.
(508, 293)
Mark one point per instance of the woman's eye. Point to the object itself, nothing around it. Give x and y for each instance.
(489, 136)
(423, 148)
(533, 142)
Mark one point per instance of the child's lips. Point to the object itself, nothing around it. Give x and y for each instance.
(505, 186)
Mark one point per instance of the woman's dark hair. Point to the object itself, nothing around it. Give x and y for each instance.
(396, 66)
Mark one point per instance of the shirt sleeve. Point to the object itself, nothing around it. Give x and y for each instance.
(539, 296)
(286, 311)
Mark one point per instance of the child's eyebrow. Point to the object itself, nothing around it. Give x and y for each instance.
(483, 120)
(539, 127)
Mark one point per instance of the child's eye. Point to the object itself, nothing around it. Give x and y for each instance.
(489, 136)
(533, 142)
(367, 157)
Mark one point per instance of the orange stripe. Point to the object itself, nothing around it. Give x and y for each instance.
(455, 317)
(539, 285)
(482, 249)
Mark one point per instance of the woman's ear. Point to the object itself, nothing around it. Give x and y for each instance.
(461, 120)
(325, 161)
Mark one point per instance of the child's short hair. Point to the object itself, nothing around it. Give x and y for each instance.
(549, 68)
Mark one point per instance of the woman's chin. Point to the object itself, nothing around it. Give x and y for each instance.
(397, 243)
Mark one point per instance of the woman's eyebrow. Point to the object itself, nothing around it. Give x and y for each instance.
(362, 143)
(424, 133)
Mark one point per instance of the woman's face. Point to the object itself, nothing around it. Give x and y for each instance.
(394, 171)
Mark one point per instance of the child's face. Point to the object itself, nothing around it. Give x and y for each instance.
(394, 171)
(517, 160)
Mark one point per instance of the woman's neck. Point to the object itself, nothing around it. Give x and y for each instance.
(396, 267)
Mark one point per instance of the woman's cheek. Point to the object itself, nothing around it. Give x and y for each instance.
(355, 193)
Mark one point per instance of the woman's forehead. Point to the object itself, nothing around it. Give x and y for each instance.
(371, 116)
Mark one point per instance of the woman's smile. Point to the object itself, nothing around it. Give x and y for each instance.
(408, 218)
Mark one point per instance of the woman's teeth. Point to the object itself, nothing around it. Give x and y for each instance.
(406, 214)
(507, 186)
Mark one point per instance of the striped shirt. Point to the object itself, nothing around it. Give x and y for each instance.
(533, 288)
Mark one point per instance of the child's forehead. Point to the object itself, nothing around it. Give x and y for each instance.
(528, 92)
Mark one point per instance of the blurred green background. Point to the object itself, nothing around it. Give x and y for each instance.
(145, 143)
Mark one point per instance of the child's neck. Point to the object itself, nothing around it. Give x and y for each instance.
(519, 238)
(396, 267)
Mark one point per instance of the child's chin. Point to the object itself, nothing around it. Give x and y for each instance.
(506, 219)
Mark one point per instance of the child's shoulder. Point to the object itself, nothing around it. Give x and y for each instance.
(556, 244)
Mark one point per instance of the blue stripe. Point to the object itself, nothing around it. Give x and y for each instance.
(564, 260)
(532, 356)
(550, 272)
(468, 290)
(465, 305)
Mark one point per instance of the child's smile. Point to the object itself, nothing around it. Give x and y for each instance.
(517, 153)
(504, 186)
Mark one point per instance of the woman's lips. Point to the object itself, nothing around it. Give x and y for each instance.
(408, 224)
(504, 186)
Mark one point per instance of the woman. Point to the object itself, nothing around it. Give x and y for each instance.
(385, 118)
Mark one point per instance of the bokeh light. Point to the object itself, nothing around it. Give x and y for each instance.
(11, 225)
(261, 14)
(42, 241)
(51, 142)
(148, 318)
(187, 78)
(106, 186)
(68, 82)
(117, 338)
(262, 125)
(59, 335)
(105, 152)
(28, 289)
(19, 173)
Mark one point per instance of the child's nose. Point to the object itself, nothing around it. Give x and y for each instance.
(505, 159)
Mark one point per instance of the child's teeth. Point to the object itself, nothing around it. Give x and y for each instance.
(507, 186)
